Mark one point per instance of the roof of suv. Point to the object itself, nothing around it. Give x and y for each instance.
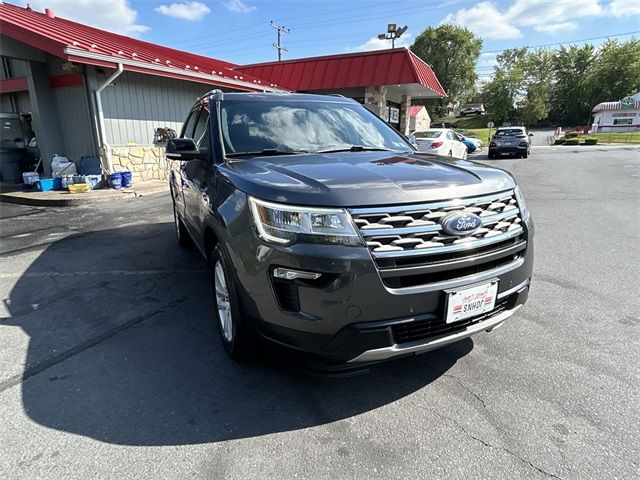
(259, 97)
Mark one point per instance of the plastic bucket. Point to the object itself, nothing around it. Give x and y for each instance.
(57, 183)
(45, 184)
(127, 179)
(115, 180)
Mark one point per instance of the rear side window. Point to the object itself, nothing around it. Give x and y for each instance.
(187, 130)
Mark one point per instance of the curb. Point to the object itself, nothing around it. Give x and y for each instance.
(75, 200)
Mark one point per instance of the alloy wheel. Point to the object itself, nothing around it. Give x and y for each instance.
(223, 305)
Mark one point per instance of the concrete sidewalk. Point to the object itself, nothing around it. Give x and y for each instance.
(11, 193)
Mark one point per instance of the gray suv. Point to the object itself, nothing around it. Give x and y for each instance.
(329, 235)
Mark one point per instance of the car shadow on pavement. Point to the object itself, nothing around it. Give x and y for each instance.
(123, 349)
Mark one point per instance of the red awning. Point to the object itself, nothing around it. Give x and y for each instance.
(83, 44)
(383, 67)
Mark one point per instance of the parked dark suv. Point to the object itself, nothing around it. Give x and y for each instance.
(327, 233)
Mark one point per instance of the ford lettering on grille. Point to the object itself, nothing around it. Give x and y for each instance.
(461, 223)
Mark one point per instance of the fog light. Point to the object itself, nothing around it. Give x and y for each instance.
(288, 274)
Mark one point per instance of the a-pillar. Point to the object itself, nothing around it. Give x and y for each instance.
(404, 114)
(375, 99)
(44, 113)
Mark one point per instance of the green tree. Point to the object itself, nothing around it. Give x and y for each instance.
(538, 80)
(507, 86)
(615, 71)
(570, 100)
(452, 51)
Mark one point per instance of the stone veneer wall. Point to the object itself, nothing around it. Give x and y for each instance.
(146, 162)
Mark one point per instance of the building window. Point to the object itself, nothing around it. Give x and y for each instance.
(623, 121)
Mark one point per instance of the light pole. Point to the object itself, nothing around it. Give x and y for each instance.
(393, 32)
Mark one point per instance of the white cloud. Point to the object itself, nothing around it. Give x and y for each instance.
(485, 20)
(186, 10)
(374, 43)
(542, 14)
(623, 8)
(556, 27)
(239, 6)
(113, 15)
(487, 59)
(489, 21)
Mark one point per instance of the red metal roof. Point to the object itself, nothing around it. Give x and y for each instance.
(415, 109)
(84, 44)
(382, 67)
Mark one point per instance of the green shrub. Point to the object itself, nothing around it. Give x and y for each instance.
(571, 135)
(590, 141)
(560, 141)
(572, 141)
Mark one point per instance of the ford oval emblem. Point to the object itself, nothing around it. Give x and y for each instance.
(461, 223)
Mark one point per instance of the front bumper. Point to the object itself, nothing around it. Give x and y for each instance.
(351, 315)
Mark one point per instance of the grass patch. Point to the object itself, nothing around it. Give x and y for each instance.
(481, 133)
(622, 137)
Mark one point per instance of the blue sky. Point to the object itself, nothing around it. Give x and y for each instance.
(239, 31)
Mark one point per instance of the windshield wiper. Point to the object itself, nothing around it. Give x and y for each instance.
(353, 148)
(265, 153)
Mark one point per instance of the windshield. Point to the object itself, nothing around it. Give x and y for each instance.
(430, 134)
(509, 131)
(303, 126)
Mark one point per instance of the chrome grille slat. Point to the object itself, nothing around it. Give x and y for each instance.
(401, 231)
(458, 247)
(410, 209)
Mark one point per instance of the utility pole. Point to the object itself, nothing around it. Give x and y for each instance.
(278, 43)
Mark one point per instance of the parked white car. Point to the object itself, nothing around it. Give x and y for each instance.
(440, 141)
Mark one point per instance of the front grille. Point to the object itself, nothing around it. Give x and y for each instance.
(436, 326)
(408, 240)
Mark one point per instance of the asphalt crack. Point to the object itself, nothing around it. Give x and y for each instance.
(491, 445)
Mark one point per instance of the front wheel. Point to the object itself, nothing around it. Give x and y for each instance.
(237, 337)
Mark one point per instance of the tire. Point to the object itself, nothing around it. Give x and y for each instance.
(491, 155)
(525, 154)
(184, 240)
(237, 336)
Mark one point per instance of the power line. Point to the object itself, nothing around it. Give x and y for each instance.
(563, 43)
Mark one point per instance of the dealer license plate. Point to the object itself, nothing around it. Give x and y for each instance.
(470, 302)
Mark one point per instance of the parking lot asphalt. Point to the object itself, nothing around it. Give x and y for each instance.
(111, 367)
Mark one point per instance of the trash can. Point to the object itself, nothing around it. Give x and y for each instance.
(11, 160)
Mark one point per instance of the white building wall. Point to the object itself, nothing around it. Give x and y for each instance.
(622, 120)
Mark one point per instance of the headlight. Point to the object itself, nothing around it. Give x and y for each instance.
(286, 224)
(526, 215)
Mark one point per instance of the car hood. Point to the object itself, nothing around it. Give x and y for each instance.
(354, 179)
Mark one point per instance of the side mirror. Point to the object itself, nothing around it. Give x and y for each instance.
(184, 149)
(531, 134)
